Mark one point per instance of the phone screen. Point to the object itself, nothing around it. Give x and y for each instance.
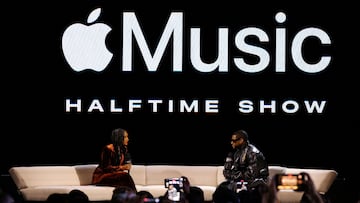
(290, 182)
(173, 193)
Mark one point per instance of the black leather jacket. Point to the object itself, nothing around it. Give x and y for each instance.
(246, 164)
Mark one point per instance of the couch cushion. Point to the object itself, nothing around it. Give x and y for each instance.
(31, 176)
(137, 172)
(198, 175)
(85, 173)
(40, 193)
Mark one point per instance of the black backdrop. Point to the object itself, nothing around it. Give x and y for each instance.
(36, 81)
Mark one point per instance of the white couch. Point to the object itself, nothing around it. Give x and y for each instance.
(36, 183)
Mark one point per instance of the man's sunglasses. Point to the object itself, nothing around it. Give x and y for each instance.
(234, 140)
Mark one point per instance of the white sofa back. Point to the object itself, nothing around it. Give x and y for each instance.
(198, 175)
(85, 172)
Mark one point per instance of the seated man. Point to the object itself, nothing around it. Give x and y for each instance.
(245, 168)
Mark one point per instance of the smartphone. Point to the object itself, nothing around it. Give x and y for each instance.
(178, 183)
(174, 186)
(294, 182)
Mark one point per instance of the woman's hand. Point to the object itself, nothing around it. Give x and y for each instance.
(125, 167)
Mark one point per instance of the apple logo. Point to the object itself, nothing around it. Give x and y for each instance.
(84, 45)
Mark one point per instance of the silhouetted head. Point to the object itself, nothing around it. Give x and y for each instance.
(239, 138)
(242, 134)
(78, 196)
(117, 136)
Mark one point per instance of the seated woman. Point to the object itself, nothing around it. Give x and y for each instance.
(115, 162)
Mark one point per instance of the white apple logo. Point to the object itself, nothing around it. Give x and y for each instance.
(84, 45)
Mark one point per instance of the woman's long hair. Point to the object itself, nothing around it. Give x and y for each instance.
(117, 138)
